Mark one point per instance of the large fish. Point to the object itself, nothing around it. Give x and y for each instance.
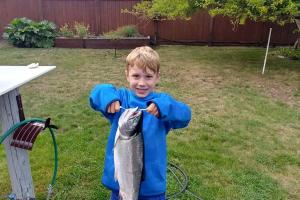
(128, 154)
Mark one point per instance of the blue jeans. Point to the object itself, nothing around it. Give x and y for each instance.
(115, 196)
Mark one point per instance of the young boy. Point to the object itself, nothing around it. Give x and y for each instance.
(163, 113)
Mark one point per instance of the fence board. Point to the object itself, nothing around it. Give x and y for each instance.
(282, 34)
(224, 31)
(66, 11)
(105, 15)
(10, 9)
(196, 29)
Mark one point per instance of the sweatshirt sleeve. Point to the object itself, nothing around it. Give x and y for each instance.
(175, 113)
(102, 96)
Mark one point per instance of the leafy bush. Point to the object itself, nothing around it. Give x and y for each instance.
(129, 31)
(290, 53)
(124, 31)
(66, 31)
(81, 30)
(23, 32)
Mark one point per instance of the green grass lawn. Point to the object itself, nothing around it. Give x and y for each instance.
(242, 143)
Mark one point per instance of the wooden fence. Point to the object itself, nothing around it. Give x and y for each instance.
(105, 15)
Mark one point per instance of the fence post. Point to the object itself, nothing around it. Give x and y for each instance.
(97, 21)
(41, 11)
(156, 31)
(211, 31)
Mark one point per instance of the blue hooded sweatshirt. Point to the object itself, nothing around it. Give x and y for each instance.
(172, 114)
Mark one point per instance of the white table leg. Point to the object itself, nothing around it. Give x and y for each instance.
(17, 159)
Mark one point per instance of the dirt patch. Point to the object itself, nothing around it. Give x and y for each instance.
(4, 44)
(278, 89)
(289, 181)
(287, 133)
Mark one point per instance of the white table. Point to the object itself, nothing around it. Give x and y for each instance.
(11, 78)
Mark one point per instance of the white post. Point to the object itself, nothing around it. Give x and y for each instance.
(11, 78)
(17, 159)
(263, 70)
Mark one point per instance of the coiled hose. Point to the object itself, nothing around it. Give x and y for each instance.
(183, 184)
(19, 124)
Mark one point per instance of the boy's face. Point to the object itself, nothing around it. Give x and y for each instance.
(140, 81)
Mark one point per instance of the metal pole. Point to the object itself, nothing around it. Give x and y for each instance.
(263, 70)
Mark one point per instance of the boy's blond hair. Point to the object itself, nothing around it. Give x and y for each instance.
(143, 57)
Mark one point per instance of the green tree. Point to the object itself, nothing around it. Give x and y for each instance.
(279, 11)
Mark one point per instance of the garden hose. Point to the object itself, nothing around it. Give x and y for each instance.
(50, 127)
(171, 167)
(183, 184)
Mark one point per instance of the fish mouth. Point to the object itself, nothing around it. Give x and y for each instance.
(136, 113)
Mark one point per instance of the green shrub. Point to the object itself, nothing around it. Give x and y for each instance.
(290, 53)
(66, 31)
(81, 30)
(129, 31)
(124, 31)
(23, 32)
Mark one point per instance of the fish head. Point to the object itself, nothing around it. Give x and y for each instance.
(130, 121)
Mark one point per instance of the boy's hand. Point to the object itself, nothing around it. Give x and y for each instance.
(152, 109)
(114, 107)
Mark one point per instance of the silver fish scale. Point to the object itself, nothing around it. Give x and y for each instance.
(128, 156)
